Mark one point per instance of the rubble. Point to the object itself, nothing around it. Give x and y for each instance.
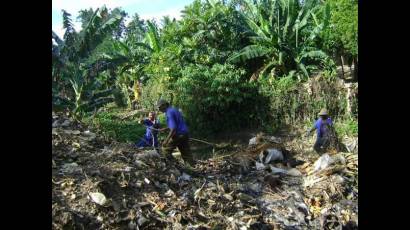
(102, 184)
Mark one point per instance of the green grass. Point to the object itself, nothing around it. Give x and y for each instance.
(348, 127)
(110, 123)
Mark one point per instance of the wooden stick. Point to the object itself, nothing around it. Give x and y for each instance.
(202, 141)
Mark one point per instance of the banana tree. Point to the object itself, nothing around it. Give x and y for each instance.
(283, 35)
(73, 53)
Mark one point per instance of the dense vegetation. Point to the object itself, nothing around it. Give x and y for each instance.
(226, 64)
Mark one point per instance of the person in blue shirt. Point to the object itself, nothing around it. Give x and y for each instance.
(151, 135)
(178, 136)
(323, 126)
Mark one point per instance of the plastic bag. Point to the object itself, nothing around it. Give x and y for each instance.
(277, 170)
(323, 162)
(252, 141)
(273, 154)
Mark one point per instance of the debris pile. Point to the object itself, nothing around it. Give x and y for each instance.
(102, 184)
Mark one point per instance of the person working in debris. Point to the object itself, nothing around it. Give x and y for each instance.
(178, 134)
(151, 134)
(323, 127)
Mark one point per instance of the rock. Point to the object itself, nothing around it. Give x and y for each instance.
(273, 155)
(98, 198)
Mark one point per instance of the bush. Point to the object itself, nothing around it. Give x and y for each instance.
(110, 123)
(218, 98)
(347, 128)
(293, 101)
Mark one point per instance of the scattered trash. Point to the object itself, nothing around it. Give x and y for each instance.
(98, 198)
(252, 141)
(185, 177)
(66, 123)
(139, 189)
(275, 139)
(273, 155)
(293, 172)
(71, 168)
(322, 163)
(260, 166)
(275, 170)
(148, 154)
(170, 193)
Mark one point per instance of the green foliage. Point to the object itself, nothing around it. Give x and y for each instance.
(283, 34)
(72, 58)
(217, 98)
(292, 101)
(111, 125)
(342, 35)
(202, 64)
(348, 127)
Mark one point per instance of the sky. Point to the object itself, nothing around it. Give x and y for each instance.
(146, 9)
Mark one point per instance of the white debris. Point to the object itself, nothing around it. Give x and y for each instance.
(146, 180)
(277, 170)
(260, 166)
(169, 193)
(185, 177)
(71, 168)
(322, 163)
(275, 139)
(98, 198)
(252, 141)
(294, 172)
(273, 154)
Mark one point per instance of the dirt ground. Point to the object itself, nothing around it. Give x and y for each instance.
(102, 184)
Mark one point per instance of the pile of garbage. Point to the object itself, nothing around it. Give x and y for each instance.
(101, 184)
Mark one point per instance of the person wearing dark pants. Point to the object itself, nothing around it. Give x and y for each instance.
(323, 127)
(178, 136)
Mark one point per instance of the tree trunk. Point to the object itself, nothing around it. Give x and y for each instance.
(355, 73)
(343, 64)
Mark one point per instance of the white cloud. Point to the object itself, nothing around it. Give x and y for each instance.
(172, 13)
(74, 6)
